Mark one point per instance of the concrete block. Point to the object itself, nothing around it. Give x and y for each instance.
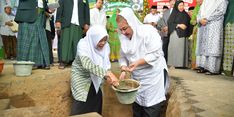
(41, 111)
(12, 107)
(93, 114)
(4, 104)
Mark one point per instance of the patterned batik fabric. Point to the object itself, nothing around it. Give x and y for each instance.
(228, 49)
(82, 66)
(32, 44)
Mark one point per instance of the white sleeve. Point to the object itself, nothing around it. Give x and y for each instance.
(153, 44)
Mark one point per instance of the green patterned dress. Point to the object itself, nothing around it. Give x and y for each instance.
(82, 66)
(114, 41)
(193, 45)
(228, 49)
(228, 56)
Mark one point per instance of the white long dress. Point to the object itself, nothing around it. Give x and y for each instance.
(210, 37)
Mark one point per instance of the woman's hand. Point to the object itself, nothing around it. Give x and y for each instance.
(133, 65)
(182, 26)
(112, 79)
(122, 75)
(124, 68)
(203, 21)
(9, 23)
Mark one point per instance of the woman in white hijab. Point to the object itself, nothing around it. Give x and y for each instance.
(89, 69)
(142, 55)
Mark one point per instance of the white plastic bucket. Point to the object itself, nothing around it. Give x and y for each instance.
(23, 68)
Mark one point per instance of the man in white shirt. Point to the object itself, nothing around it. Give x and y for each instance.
(144, 59)
(97, 14)
(153, 17)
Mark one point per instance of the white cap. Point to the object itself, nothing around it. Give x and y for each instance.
(7, 6)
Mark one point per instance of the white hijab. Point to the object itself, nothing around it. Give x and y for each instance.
(130, 46)
(208, 7)
(87, 47)
(139, 38)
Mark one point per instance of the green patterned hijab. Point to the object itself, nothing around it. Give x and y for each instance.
(113, 19)
(194, 14)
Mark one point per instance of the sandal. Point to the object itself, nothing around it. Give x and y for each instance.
(61, 66)
(201, 71)
(34, 67)
(46, 67)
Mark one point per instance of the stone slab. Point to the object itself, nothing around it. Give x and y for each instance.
(41, 111)
(4, 104)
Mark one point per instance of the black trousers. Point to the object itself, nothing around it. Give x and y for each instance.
(50, 40)
(165, 41)
(152, 111)
(92, 104)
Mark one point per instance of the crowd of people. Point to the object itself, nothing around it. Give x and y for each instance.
(195, 39)
(89, 41)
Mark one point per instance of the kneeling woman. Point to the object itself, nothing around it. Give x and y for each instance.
(89, 68)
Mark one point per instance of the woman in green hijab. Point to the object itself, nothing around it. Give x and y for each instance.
(228, 58)
(193, 22)
(114, 42)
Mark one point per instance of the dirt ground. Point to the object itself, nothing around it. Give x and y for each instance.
(51, 88)
(43, 88)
